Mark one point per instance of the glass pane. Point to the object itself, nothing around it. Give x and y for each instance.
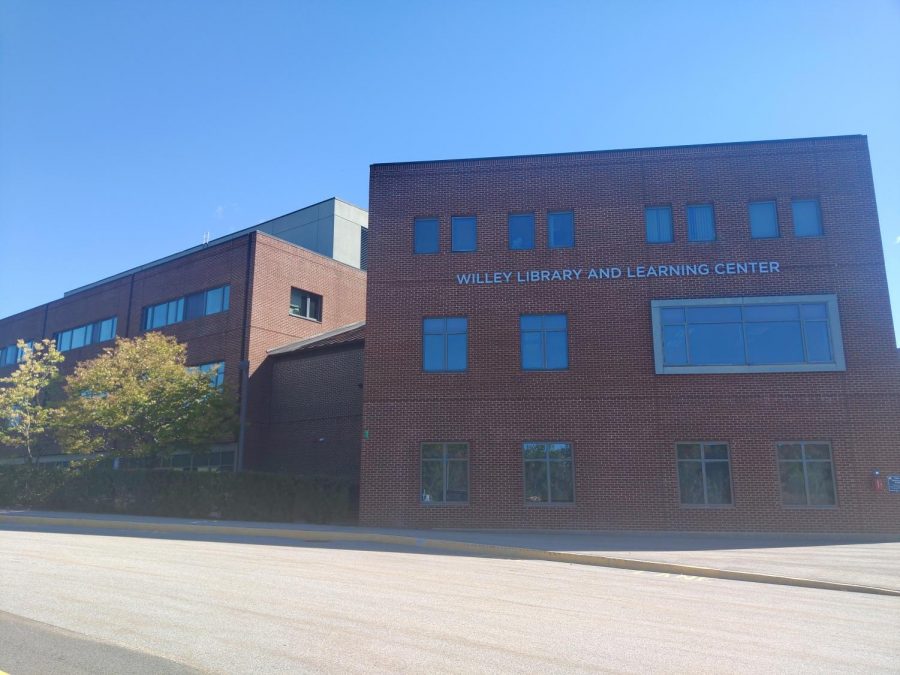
(214, 301)
(562, 488)
(78, 335)
(457, 325)
(554, 321)
(179, 310)
(226, 297)
(790, 451)
(65, 341)
(774, 342)
(194, 306)
(535, 450)
(457, 481)
(107, 329)
(701, 224)
(690, 481)
(718, 483)
(672, 315)
(771, 313)
(818, 343)
(457, 451)
(674, 346)
(426, 235)
(432, 451)
(717, 451)
(821, 483)
(561, 229)
(793, 488)
(434, 325)
(159, 315)
(557, 354)
(456, 351)
(559, 451)
(719, 314)
(658, 222)
(763, 220)
(532, 350)
(521, 231)
(314, 307)
(530, 322)
(463, 233)
(432, 481)
(817, 311)
(817, 451)
(536, 482)
(716, 344)
(172, 312)
(433, 352)
(688, 451)
(807, 221)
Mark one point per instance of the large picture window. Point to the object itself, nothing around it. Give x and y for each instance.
(704, 474)
(445, 343)
(445, 473)
(549, 474)
(807, 474)
(734, 335)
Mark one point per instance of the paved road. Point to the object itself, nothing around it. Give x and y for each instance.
(244, 607)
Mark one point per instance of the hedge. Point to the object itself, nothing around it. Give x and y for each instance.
(90, 487)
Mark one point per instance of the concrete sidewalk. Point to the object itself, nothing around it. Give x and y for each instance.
(841, 562)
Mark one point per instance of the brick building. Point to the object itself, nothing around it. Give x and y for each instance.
(690, 338)
(230, 301)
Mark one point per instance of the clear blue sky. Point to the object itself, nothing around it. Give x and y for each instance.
(128, 129)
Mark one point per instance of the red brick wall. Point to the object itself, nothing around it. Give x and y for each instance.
(622, 419)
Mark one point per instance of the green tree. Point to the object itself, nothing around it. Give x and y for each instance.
(138, 398)
(24, 415)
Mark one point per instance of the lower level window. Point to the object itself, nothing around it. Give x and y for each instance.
(704, 474)
(445, 473)
(807, 474)
(549, 477)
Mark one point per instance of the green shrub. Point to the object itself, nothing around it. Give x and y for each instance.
(94, 487)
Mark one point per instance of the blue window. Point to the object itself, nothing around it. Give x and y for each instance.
(658, 220)
(521, 231)
(807, 218)
(561, 229)
(11, 354)
(463, 233)
(781, 334)
(427, 235)
(215, 371)
(763, 220)
(88, 334)
(189, 307)
(544, 341)
(445, 344)
(701, 223)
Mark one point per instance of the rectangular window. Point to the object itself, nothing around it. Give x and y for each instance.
(807, 218)
(88, 334)
(549, 475)
(544, 341)
(658, 221)
(426, 235)
(306, 305)
(701, 222)
(185, 308)
(463, 233)
(521, 231)
(763, 220)
(11, 354)
(745, 335)
(215, 371)
(807, 474)
(561, 229)
(704, 474)
(445, 344)
(445, 473)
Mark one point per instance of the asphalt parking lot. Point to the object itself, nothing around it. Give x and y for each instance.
(243, 606)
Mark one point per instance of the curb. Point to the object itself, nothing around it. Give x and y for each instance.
(511, 552)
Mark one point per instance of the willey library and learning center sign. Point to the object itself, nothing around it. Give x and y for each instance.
(613, 273)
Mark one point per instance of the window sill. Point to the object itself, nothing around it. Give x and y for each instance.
(305, 318)
(810, 507)
(707, 507)
(431, 505)
(550, 505)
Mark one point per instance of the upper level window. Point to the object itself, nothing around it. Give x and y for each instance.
(463, 233)
(445, 473)
(763, 220)
(807, 475)
(306, 305)
(11, 354)
(185, 308)
(807, 218)
(215, 371)
(544, 341)
(704, 474)
(427, 235)
(658, 221)
(742, 335)
(549, 475)
(89, 334)
(445, 344)
(561, 229)
(701, 222)
(521, 230)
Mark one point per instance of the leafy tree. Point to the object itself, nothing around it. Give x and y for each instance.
(138, 398)
(24, 415)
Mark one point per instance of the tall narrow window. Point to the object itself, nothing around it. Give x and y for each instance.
(445, 344)
(549, 474)
(658, 222)
(306, 305)
(763, 220)
(561, 229)
(807, 218)
(544, 341)
(704, 474)
(463, 233)
(701, 222)
(426, 235)
(807, 474)
(445, 473)
(521, 231)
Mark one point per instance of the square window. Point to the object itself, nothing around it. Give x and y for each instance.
(445, 344)
(549, 473)
(426, 235)
(561, 229)
(704, 474)
(306, 305)
(763, 220)
(806, 473)
(463, 233)
(445, 473)
(521, 231)
(658, 222)
(544, 341)
(807, 218)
